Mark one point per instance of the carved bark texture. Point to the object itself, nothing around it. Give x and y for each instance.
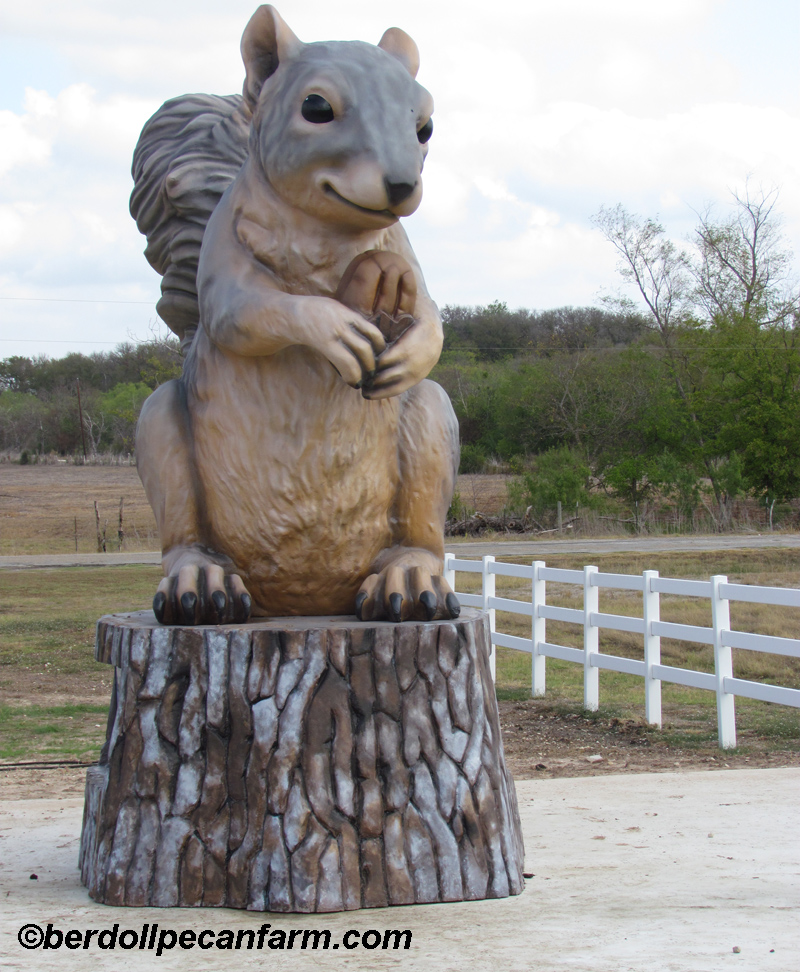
(300, 765)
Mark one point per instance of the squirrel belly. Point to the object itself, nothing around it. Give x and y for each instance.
(288, 484)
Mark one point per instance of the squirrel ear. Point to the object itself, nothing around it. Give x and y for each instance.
(397, 43)
(265, 43)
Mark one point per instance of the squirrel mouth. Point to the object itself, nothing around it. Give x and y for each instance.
(383, 213)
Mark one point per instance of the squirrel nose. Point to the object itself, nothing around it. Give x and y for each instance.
(398, 191)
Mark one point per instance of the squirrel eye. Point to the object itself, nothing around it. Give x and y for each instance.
(425, 132)
(317, 110)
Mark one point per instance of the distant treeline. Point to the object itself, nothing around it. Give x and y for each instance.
(495, 333)
(39, 398)
(696, 399)
(40, 411)
(710, 417)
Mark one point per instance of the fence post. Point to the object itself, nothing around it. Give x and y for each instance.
(723, 664)
(487, 591)
(538, 632)
(652, 650)
(591, 641)
(448, 573)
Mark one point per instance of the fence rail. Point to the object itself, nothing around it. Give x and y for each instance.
(650, 627)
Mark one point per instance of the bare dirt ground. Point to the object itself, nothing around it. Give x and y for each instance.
(536, 746)
(543, 741)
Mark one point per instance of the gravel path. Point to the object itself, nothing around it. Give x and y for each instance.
(540, 548)
(499, 548)
(26, 561)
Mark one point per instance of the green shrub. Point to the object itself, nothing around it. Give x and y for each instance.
(473, 458)
(559, 475)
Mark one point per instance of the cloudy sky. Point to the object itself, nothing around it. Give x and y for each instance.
(544, 112)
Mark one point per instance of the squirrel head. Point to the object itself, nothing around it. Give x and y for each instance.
(340, 128)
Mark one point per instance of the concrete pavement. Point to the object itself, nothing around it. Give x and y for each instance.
(651, 873)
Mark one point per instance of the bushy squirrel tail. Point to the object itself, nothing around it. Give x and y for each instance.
(187, 155)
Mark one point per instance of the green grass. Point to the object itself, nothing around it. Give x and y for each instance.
(48, 618)
(51, 731)
(53, 694)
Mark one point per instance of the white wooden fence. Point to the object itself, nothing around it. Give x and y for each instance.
(650, 627)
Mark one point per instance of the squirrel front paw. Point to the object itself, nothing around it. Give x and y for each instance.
(405, 593)
(381, 286)
(201, 594)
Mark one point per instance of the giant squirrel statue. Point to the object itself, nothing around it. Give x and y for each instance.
(302, 464)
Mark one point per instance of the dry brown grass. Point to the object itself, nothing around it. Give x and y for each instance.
(40, 504)
(39, 507)
(485, 492)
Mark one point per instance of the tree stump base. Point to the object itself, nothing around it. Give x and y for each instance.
(300, 765)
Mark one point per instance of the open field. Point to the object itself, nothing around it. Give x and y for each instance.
(43, 507)
(49, 509)
(486, 492)
(53, 695)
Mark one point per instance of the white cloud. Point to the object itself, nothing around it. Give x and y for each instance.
(64, 226)
(446, 195)
(494, 189)
(101, 127)
(19, 144)
(544, 112)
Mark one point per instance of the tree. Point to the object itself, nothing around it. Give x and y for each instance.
(742, 269)
(560, 475)
(653, 264)
(601, 401)
(679, 482)
(633, 478)
(21, 415)
(754, 395)
(725, 321)
(120, 408)
(495, 333)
